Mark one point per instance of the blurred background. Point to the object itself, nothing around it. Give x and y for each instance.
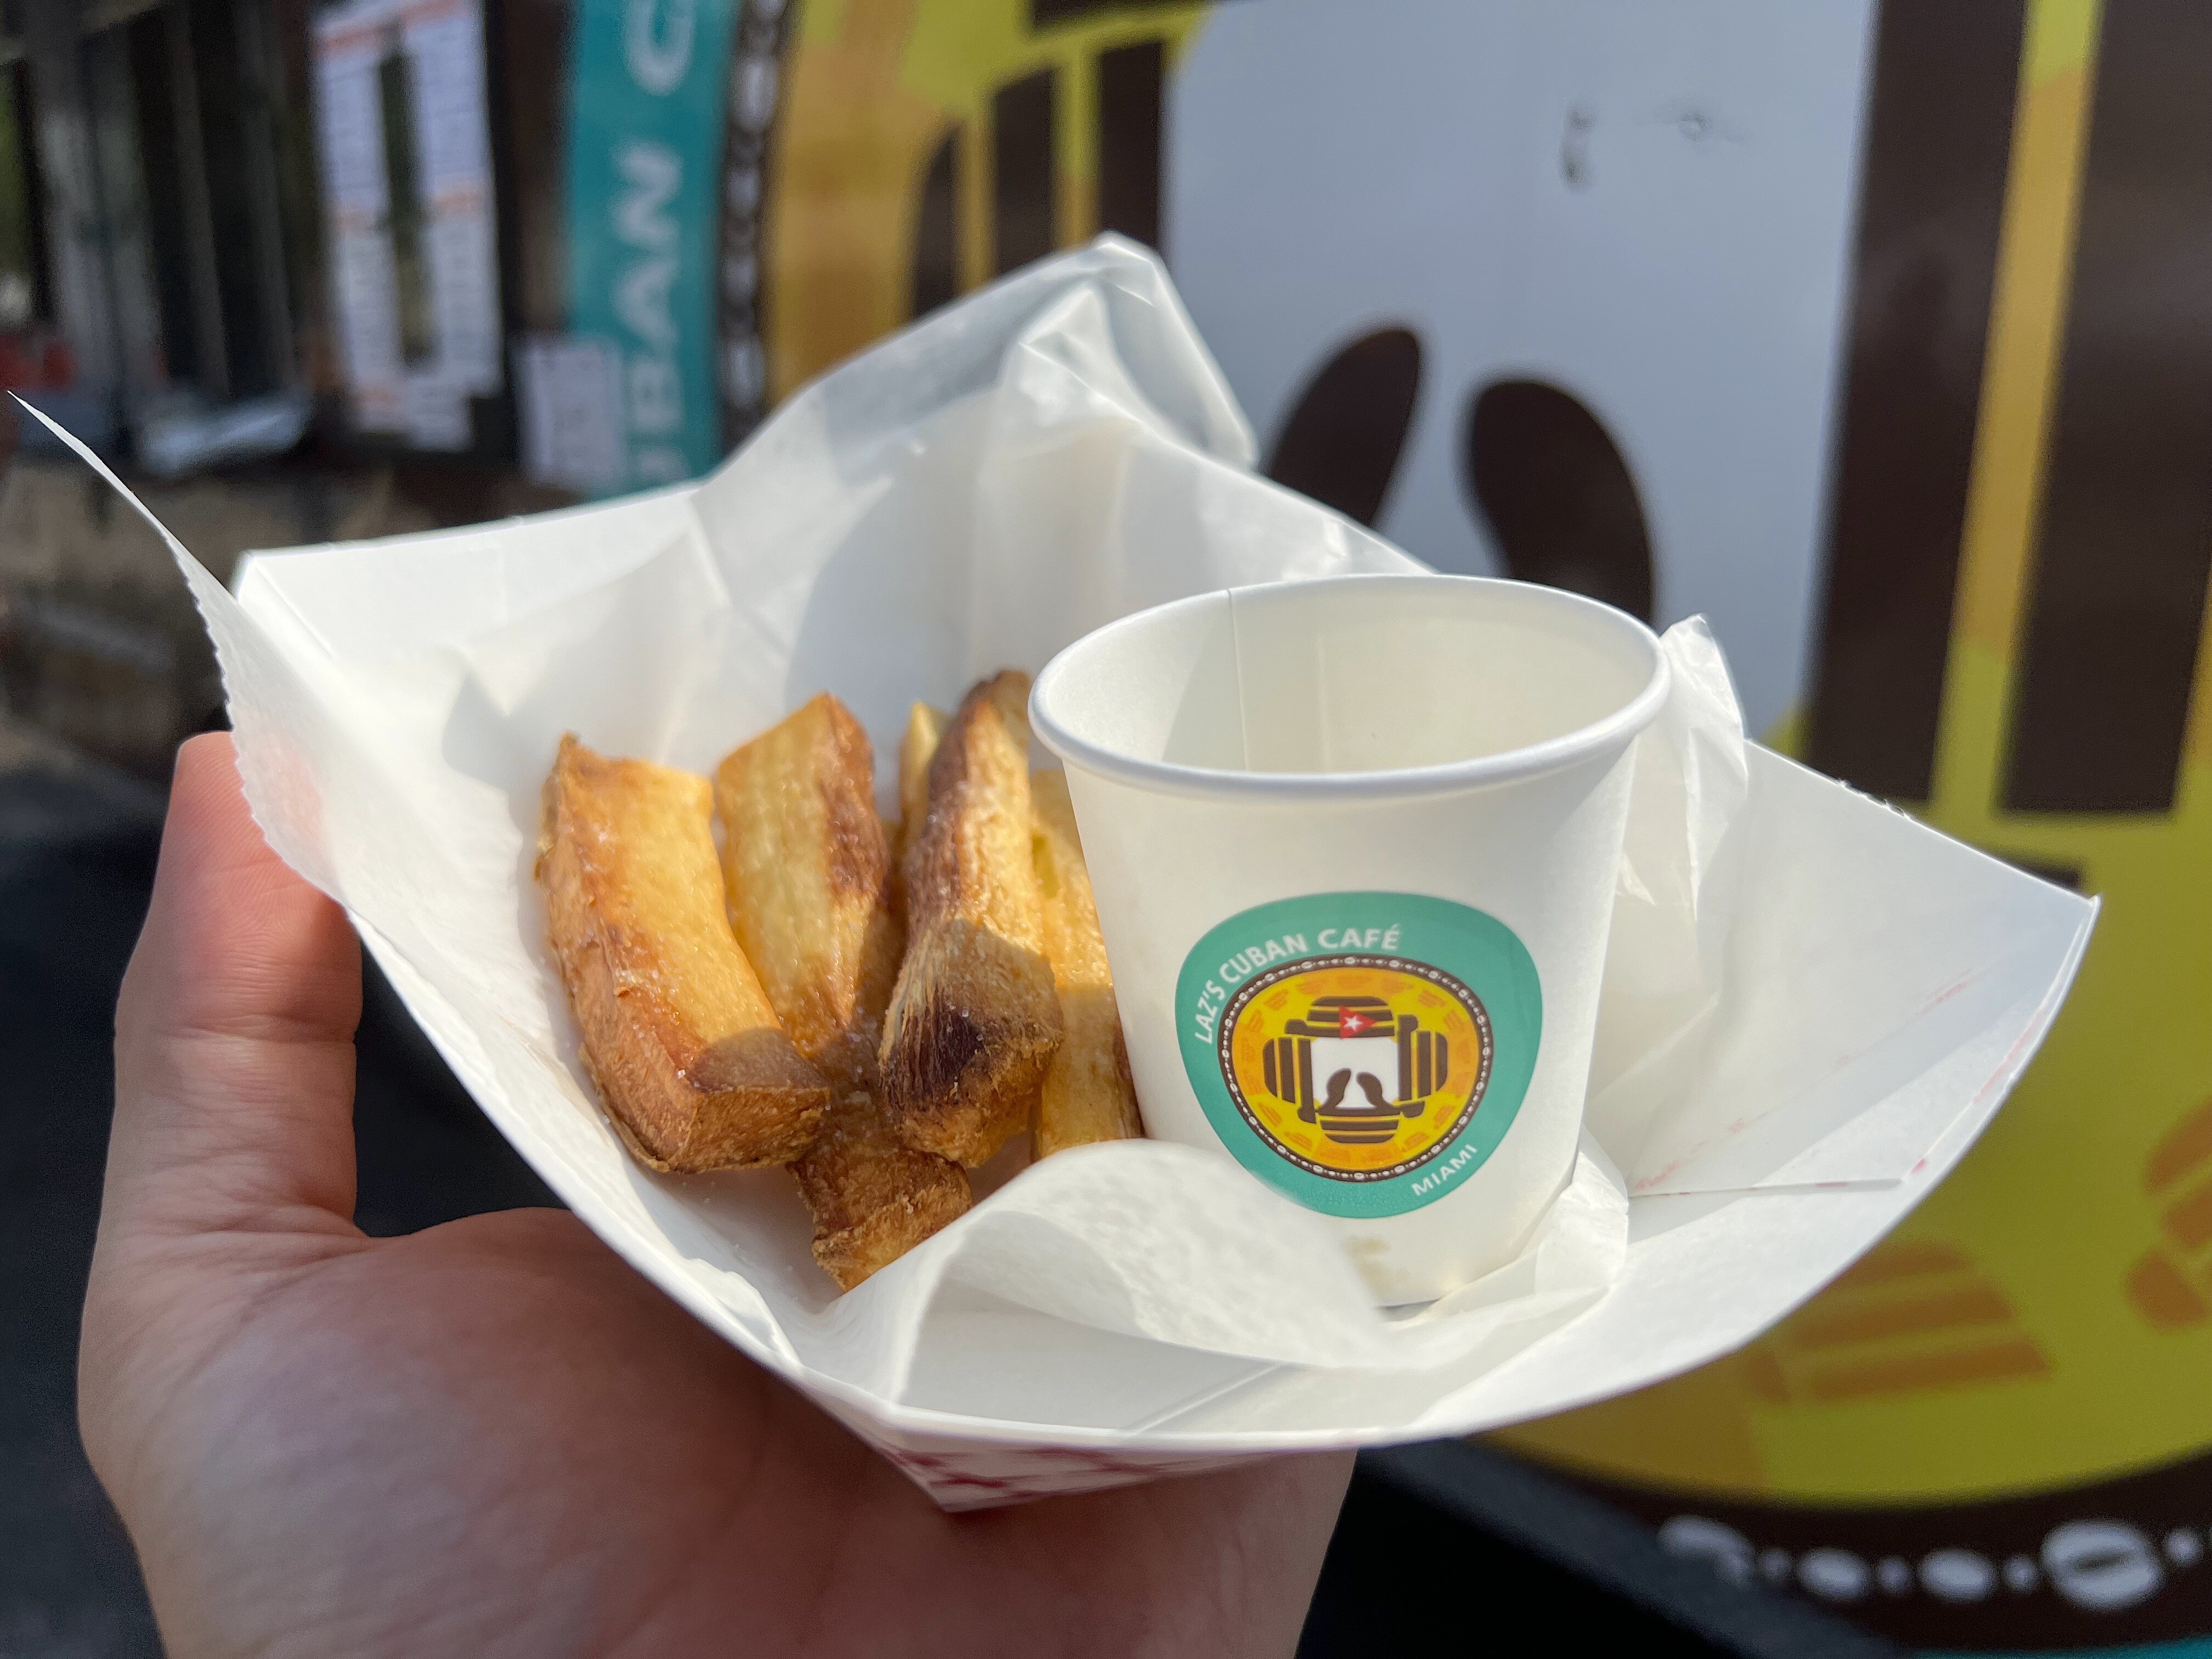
(1878, 332)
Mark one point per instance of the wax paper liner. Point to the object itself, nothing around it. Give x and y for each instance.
(1812, 1004)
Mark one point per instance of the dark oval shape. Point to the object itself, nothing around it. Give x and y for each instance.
(1341, 441)
(1552, 484)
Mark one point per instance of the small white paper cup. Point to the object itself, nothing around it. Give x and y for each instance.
(1354, 844)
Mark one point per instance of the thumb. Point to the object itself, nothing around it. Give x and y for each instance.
(233, 1036)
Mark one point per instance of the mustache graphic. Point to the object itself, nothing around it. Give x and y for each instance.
(1370, 1085)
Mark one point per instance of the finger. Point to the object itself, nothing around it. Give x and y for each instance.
(234, 1039)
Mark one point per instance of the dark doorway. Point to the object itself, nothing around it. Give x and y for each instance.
(937, 230)
(1025, 166)
(1132, 122)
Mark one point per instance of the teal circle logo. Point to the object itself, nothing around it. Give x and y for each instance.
(1363, 1053)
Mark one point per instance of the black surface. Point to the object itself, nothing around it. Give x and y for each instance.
(68, 1584)
(1608, 1578)
(1405, 1577)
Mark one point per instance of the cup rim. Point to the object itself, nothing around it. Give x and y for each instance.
(1509, 765)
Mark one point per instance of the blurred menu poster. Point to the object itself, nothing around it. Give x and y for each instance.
(570, 393)
(407, 184)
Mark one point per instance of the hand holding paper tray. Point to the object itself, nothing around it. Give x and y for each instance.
(1812, 1006)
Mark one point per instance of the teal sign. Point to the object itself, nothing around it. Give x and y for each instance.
(645, 146)
(1363, 1053)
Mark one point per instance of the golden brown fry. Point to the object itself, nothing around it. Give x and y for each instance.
(975, 1019)
(925, 729)
(925, 725)
(807, 864)
(695, 1071)
(1087, 1094)
(873, 1197)
(808, 877)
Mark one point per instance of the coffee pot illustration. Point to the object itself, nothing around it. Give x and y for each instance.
(1355, 1069)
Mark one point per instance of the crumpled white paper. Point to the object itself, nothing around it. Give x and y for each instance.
(1812, 1004)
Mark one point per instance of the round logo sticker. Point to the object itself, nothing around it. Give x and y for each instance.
(1364, 1052)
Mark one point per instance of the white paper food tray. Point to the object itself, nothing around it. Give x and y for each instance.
(1812, 1005)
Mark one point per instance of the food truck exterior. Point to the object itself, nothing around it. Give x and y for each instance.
(1884, 340)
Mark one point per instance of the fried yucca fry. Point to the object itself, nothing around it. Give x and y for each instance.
(1087, 1094)
(872, 1196)
(694, 1069)
(925, 729)
(808, 876)
(974, 1020)
(806, 864)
